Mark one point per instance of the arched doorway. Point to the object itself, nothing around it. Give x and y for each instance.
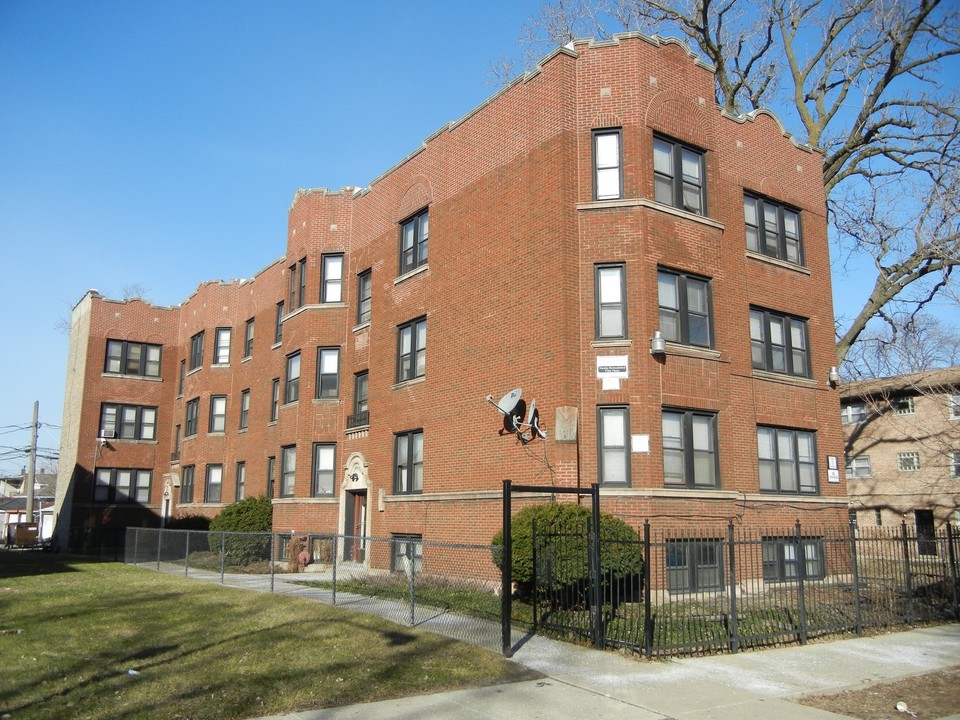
(354, 515)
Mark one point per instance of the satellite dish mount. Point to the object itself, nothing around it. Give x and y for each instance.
(513, 409)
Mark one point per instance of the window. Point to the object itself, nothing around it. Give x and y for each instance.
(788, 460)
(214, 484)
(614, 445)
(221, 350)
(413, 242)
(241, 481)
(685, 308)
(778, 343)
(908, 461)
(787, 559)
(926, 532)
(412, 350)
(274, 399)
(690, 448)
(122, 485)
(288, 470)
(128, 422)
(186, 484)
(196, 351)
(953, 403)
(248, 338)
(772, 229)
(244, 409)
(852, 413)
(956, 464)
(298, 284)
(407, 554)
(878, 517)
(193, 417)
(324, 465)
(678, 176)
(607, 178)
(175, 455)
(291, 389)
(331, 290)
(859, 466)
(364, 296)
(361, 414)
(328, 372)
(132, 358)
(902, 406)
(694, 565)
(278, 331)
(610, 287)
(271, 470)
(218, 414)
(408, 463)
(183, 375)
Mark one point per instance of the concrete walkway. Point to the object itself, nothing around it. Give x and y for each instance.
(584, 684)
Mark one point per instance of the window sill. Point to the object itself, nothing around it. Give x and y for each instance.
(276, 345)
(218, 366)
(651, 205)
(692, 351)
(784, 378)
(411, 273)
(405, 383)
(623, 342)
(753, 254)
(246, 359)
(362, 326)
(193, 371)
(123, 376)
(217, 433)
(327, 401)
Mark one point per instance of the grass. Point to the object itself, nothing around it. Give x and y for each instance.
(72, 630)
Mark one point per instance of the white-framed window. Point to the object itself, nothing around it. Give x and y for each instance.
(785, 559)
(679, 176)
(244, 408)
(908, 461)
(328, 372)
(291, 388)
(324, 469)
(852, 413)
(122, 485)
(132, 358)
(613, 434)
(218, 414)
(274, 399)
(187, 475)
(288, 470)
(414, 236)
(611, 309)
(778, 343)
(408, 463)
(902, 405)
(787, 460)
(192, 423)
(196, 351)
(685, 308)
(364, 296)
(694, 565)
(859, 466)
(772, 229)
(332, 279)
(213, 489)
(412, 350)
(956, 464)
(128, 422)
(953, 407)
(240, 490)
(221, 350)
(248, 338)
(607, 161)
(690, 448)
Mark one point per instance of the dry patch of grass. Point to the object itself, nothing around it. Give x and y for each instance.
(92, 640)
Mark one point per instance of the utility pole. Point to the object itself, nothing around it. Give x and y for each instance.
(32, 465)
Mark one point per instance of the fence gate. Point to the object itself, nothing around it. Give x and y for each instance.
(553, 607)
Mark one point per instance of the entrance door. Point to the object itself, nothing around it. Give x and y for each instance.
(355, 522)
(926, 534)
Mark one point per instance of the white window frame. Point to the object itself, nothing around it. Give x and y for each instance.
(908, 461)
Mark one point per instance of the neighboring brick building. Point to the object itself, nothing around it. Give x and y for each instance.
(349, 378)
(903, 449)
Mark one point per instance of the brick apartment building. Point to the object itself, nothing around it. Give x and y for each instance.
(903, 449)
(348, 379)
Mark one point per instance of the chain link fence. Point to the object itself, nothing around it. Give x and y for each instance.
(451, 589)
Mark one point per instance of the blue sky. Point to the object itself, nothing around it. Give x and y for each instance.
(160, 144)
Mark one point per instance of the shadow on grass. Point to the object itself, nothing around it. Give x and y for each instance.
(23, 563)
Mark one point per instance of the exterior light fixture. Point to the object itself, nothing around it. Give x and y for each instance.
(658, 346)
(833, 377)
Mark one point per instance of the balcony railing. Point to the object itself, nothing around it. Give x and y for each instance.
(358, 420)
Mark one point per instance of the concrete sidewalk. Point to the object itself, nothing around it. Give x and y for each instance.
(584, 684)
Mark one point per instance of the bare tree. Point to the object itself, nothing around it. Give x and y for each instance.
(869, 82)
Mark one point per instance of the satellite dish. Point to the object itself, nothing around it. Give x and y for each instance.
(512, 420)
(509, 401)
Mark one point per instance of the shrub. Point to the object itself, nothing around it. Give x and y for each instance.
(189, 522)
(250, 515)
(567, 558)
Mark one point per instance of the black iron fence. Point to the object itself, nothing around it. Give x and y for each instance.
(702, 591)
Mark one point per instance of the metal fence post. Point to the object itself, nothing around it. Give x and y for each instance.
(801, 574)
(411, 574)
(186, 554)
(534, 571)
(596, 612)
(506, 573)
(732, 629)
(952, 555)
(333, 558)
(647, 616)
(907, 571)
(855, 569)
(159, 544)
(272, 550)
(223, 550)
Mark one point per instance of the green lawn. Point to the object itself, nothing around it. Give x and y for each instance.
(82, 639)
